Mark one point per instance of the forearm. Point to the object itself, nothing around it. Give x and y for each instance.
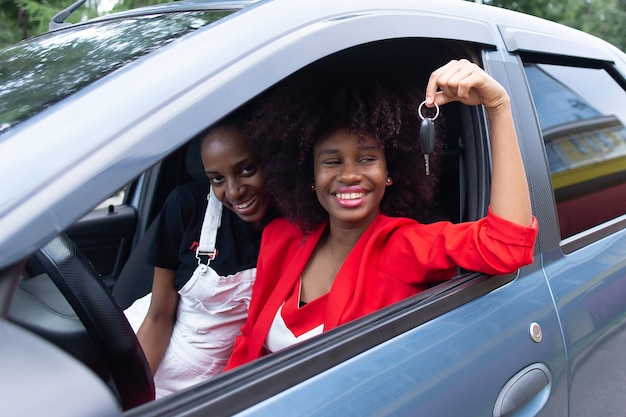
(466, 82)
(510, 197)
(154, 338)
(156, 330)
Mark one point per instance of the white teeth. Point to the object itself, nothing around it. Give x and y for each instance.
(245, 205)
(349, 196)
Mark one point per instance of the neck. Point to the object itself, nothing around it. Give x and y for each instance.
(343, 235)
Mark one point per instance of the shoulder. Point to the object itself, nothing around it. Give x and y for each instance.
(385, 226)
(190, 191)
(281, 229)
(282, 237)
(187, 198)
(384, 222)
(398, 231)
(280, 223)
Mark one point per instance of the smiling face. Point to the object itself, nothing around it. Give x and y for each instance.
(235, 174)
(350, 177)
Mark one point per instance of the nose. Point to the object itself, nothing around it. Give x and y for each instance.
(234, 190)
(350, 173)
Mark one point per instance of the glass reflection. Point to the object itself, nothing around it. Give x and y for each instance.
(582, 112)
(38, 72)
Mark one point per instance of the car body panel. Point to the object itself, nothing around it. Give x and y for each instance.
(434, 369)
(589, 288)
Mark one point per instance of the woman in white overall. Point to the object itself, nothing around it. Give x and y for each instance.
(205, 264)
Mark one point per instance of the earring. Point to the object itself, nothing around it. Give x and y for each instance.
(312, 187)
(388, 180)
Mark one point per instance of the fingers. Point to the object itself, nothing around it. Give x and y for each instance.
(453, 82)
(434, 81)
(462, 81)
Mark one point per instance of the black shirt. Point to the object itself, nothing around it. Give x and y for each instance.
(178, 234)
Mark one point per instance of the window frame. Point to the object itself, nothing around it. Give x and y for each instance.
(270, 375)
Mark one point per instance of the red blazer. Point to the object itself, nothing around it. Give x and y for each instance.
(393, 259)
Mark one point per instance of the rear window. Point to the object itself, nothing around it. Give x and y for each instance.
(38, 72)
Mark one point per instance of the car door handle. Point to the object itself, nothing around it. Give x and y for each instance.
(529, 386)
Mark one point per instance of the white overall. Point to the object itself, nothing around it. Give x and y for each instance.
(211, 310)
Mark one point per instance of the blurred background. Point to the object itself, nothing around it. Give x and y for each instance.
(20, 19)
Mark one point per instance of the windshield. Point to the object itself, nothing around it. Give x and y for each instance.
(38, 72)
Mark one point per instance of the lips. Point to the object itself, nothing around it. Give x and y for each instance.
(245, 206)
(350, 197)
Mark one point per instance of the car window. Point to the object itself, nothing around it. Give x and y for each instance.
(116, 199)
(582, 113)
(41, 71)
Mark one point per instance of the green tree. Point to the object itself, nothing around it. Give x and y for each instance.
(132, 4)
(12, 23)
(605, 19)
(21, 19)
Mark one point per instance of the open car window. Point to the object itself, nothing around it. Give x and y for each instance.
(457, 198)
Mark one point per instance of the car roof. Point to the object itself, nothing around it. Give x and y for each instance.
(67, 158)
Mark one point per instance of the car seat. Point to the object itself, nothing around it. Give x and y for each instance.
(135, 279)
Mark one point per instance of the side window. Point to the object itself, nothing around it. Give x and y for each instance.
(115, 199)
(582, 112)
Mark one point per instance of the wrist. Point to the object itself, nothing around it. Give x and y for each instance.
(503, 106)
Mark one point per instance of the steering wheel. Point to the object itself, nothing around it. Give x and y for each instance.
(102, 316)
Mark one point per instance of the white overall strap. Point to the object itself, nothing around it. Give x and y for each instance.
(208, 234)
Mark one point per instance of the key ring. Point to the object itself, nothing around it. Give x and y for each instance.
(419, 111)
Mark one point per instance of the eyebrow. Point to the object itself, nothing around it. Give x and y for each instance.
(238, 165)
(361, 147)
(328, 151)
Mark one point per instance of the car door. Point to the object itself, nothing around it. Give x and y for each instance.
(580, 102)
(475, 346)
(105, 234)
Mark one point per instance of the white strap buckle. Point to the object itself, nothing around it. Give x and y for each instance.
(208, 234)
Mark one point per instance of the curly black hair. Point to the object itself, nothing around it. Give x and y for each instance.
(288, 120)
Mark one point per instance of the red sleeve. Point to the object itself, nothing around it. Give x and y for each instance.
(491, 245)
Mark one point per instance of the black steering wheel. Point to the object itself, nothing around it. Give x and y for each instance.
(102, 316)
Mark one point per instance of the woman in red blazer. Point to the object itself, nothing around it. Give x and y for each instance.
(345, 159)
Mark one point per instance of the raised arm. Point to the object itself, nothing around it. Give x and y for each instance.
(467, 83)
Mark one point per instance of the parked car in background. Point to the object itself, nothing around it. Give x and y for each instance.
(107, 107)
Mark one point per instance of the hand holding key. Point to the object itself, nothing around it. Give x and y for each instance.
(469, 84)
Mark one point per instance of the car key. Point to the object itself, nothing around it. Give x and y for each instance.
(427, 135)
(427, 140)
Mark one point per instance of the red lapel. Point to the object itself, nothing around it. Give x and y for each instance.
(288, 276)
